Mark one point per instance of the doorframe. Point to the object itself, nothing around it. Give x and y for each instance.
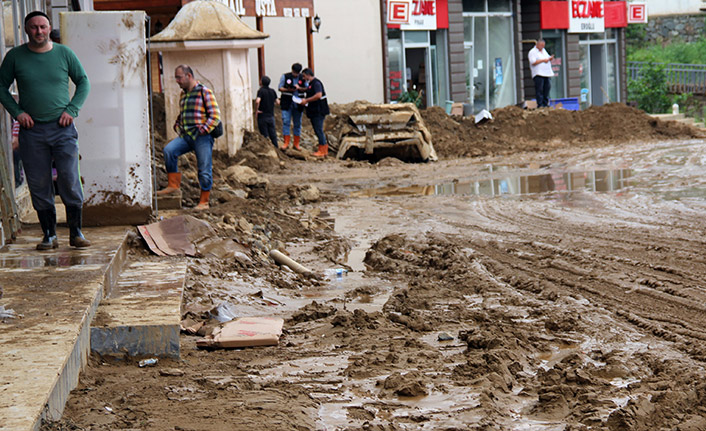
(427, 63)
(606, 42)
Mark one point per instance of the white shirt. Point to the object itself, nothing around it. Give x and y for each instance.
(541, 69)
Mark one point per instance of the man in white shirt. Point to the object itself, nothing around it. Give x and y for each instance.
(541, 66)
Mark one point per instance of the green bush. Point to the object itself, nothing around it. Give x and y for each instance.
(650, 90)
(680, 52)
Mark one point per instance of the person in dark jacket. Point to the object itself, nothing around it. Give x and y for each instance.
(317, 109)
(265, 110)
(291, 85)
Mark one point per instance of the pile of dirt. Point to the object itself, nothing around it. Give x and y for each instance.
(514, 129)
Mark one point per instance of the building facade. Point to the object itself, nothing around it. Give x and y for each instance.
(475, 51)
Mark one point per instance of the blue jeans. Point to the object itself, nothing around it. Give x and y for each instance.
(202, 147)
(38, 146)
(292, 114)
(317, 123)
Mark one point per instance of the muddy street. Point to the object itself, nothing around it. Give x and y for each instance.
(555, 290)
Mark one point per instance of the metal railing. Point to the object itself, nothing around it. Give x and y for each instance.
(681, 78)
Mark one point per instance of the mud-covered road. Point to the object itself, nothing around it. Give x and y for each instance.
(561, 290)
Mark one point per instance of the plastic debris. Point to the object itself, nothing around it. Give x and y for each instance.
(148, 362)
(7, 313)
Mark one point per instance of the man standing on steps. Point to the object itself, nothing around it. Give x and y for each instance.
(316, 109)
(541, 67)
(290, 85)
(198, 116)
(46, 115)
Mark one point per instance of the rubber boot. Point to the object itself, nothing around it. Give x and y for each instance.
(286, 142)
(47, 219)
(173, 184)
(296, 143)
(74, 220)
(203, 202)
(322, 152)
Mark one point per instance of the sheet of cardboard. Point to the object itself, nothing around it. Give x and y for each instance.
(457, 109)
(245, 332)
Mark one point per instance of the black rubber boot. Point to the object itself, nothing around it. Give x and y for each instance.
(73, 218)
(47, 219)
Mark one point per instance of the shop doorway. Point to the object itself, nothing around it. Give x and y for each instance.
(598, 69)
(418, 73)
(598, 78)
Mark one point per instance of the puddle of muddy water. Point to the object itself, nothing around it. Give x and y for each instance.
(600, 180)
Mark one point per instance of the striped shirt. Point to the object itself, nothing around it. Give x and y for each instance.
(199, 113)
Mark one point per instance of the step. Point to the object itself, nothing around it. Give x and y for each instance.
(690, 121)
(57, 293)
(669, 117)
(168, 202)
(142, 314)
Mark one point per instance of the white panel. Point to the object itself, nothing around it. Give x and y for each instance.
(113, 124)
(347, 49)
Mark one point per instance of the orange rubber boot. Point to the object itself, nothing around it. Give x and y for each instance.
(322, 152)
(203, 202)
(173, 184)
(286, 142)
(296, 143)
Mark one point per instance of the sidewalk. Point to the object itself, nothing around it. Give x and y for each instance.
(56, 293)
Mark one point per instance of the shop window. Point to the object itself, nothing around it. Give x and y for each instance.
(416, 37)
(499, 6)
(555, 46)
(396, 73)
(489, 56)
(501, 75)
(474, 5)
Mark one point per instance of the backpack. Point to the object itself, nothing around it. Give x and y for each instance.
(217, 131)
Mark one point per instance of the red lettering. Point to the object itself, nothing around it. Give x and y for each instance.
(424, 7)
(597, 9)
(586, 9)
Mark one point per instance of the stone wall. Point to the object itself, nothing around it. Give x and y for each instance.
(669, 29)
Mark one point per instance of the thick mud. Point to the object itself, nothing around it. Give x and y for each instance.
(563, 308)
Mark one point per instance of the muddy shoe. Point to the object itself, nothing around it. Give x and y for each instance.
(48, 242)
(79, 241)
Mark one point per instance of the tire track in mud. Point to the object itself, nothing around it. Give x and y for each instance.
(645, 275)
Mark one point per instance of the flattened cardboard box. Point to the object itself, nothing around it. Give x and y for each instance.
(245, 332)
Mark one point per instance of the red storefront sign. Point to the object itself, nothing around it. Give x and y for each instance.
(398, 11)
(555, 14)
(586, 16)
(637, 13)
(423, 15)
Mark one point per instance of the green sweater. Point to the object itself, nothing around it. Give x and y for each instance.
(43, 82)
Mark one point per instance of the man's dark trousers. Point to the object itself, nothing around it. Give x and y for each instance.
(542, 85)
(38, 146)
(266, 125)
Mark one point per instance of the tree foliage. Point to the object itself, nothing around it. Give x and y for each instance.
(650, 90)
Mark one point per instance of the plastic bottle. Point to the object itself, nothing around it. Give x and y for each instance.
(675, 109)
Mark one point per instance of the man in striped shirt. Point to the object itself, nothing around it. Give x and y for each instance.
(198, 116)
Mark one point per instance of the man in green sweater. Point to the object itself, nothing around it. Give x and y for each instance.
(46, 115)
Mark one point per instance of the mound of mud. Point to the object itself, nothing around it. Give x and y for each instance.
(514, 129)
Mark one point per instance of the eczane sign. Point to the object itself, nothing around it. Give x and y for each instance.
(586, 16)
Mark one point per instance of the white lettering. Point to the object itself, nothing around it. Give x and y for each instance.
(265, 8)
